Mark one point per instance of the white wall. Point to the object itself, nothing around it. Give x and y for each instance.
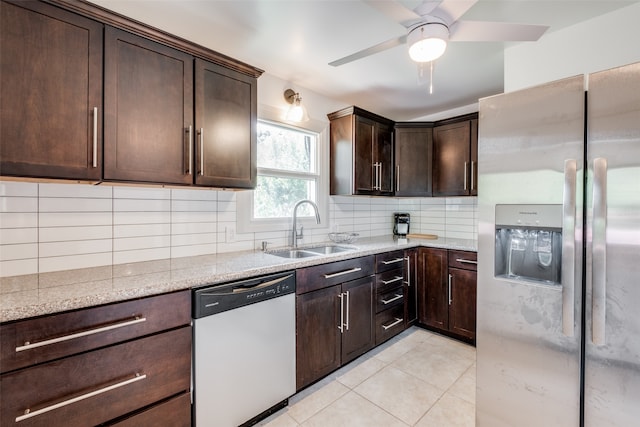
(601, 43)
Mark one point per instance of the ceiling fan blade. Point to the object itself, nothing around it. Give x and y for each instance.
(451, 10)
(495, 31)
(370, 51)
(394, 10)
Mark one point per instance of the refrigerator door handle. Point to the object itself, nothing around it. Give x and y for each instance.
(599, 252)
(568, 246)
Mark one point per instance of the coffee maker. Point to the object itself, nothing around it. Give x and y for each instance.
(401, 224)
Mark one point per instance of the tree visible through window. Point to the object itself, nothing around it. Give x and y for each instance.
(287, 171)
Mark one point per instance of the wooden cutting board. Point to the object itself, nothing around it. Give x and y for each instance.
(422, 236)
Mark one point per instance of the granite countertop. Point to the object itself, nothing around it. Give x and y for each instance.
(48, 293)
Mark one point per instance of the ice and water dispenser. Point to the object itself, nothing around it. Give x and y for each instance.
(529, 243)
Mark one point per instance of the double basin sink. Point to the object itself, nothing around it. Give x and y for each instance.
(309, 252)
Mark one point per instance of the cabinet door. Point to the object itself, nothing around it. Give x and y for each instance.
(433, 288)
(413, 150)
(384, 158)
(226, 116)
(462, 311)
(148, 110)
(451, 159)
(411, 287)
(317, 334)
(364, 168)
(357, 332)
(51, 92)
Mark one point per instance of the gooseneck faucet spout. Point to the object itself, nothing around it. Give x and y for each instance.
(295, 236)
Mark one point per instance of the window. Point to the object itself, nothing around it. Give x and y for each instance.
(290, 161)
(287, 171)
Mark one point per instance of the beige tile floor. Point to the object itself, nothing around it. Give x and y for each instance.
(418, 378)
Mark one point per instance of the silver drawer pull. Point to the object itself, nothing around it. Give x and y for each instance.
(29, 414)
(466, 261)
(397, 321)
(395, 279)
(389, 301)
(341, 273)
(29, 346)
(393, 261)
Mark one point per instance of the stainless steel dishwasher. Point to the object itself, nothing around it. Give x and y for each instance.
(244, 355)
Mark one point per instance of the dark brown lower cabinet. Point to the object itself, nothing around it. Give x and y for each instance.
(125, 363)
(447, 291)
(334, 316)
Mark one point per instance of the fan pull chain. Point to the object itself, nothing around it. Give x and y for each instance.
(431, 78)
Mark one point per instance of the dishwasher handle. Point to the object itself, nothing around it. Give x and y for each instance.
(259, 285)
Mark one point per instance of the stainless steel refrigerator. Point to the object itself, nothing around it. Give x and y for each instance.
(558, 328)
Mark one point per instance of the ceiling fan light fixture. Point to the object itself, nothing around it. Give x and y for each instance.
(427, 42)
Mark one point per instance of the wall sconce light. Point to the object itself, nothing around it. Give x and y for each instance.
(296, 112)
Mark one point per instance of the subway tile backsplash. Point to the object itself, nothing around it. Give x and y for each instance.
(49, 228)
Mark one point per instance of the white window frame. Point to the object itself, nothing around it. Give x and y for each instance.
(244, 213)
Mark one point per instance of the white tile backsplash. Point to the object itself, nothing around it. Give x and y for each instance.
(54, 227)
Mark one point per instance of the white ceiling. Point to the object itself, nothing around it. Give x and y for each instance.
(295, 40)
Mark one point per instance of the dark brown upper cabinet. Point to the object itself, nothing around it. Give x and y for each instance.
(413, 152)
(361, 159)
(163, 123)
(455, 157)
(51, 92)
(148, 110)
(225, 127)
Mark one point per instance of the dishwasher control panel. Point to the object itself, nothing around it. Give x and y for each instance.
(227, 296)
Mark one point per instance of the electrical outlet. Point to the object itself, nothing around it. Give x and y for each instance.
(229, 234)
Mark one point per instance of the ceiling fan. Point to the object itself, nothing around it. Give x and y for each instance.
(432, 24)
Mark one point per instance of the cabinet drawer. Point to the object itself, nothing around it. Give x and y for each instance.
(175, 412)
(389, 261)
(28, 342)
(320, 276)
(389, 299)
(389, 323)
(389, 280)
(463, 259)
(100, 385)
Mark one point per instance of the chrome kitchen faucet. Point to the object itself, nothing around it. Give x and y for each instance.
(294, 233)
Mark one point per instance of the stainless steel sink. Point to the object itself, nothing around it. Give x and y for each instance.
(328, 250)
(293, 253)
(309, 252)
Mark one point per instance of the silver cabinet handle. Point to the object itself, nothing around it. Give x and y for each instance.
(29, 414)
(395, 279)
(29, 346)
(341, 325)
(341, 273)
(389, 301)
(449, 292)
(408, 272)
(95, 137)
(599, 252)
(398, 320)
(567, 278)
(201, 151)
(380, 177)
(472, 180)
(465, 175)
(466, 261)
(374, 175)
(393, 261)
(190, 143)
(347, 304)
(397, 177)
